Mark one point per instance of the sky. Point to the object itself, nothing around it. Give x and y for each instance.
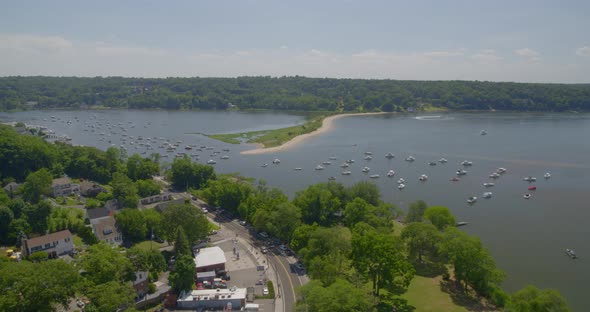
(517, 40)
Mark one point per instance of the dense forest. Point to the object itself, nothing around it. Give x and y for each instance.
(287, 93)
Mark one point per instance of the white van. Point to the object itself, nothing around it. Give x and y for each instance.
(251, 307)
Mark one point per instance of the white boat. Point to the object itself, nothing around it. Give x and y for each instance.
(547, 175)
(487, 195)
(368, 153)
(264, 165)
(529, 179)
(374, 176)
(368, 157)
(350, 161)
(501, 170)
(571, 253)
(471, 199)
(327, 162)
(298, 169)
(410, 158)
(527, 196)
(494, 175)
(347, 172)
(332, 158)
(390, 173)
(344, 165)
(401, 181)
(467, 163)
(461, 172)
(489, 184)
(432, 163)
(224, 157)
(443, 161)
(366, 169)
(211, 162)
(401, 186)
(389, 156)
(276, 161)
(423, 178)
(332, 178)
(188, 147)
(319, 167)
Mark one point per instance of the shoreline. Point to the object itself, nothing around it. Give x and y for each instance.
(327, 125)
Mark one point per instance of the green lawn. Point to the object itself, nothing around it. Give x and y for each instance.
(147, 245)
(425, 294)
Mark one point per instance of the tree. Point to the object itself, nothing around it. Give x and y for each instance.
(187, 216)
(356, 211)
(103, 264)
(416, 211)
(39, 286)
(440, 217)
(181, 246)
(153, 220)
(183, 276)
(317, 204)
(146, 260)
(368, 191)
(111, 296)
(532, 299)
(37, 216)
(340, 296)
(284, 219)
(380, 257)
(146, 188)
(6, 217)
(37, 184)
(124, 190)
(132, 224)
(420, 239)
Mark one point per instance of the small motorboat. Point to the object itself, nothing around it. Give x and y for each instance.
(401, 186)
(327, 162)
(489, 184)
(547, 175)
(390, 173)
(471, 199)
(410, 158)
(276, 161)
(297, 169)
(527, 196)
(461, 223)
(532, 188)
(455, 179)
(347, 172)
(423, 178)
(467, 163)
(211, 162)
(350, 161)
(368, 153)
(319, 167)
(344, 165)
(571, 253)
(368, 157)
(529, 179)
(494, 175)
(501, 170)
(443, 161)
(332, 158)
(264, 165)
(366, 169)
(483, 132)
(224, 157)
(461, 172)
(374, 176)
(401, 181)
(432, 163)
(331, 178)
(487, 195)
(389, 156)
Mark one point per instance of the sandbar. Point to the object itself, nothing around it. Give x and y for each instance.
(327, 125)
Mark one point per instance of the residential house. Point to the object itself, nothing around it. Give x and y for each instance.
(141, 283)
(91, 189)
(64, 187)
(11, 189)
(106, 230)
(54, 244)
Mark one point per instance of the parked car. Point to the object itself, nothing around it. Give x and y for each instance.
(264, 250)
(265, 291)
(242, 223)
(263, 234)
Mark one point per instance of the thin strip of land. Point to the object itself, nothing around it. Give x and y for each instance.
(325, 125)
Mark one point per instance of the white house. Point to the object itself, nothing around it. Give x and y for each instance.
(54, 244)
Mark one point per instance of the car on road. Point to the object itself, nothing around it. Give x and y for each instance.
(242, 223)
(265, 291)
(259, 282)
(204, 210)
(264, 250)
(213, 232)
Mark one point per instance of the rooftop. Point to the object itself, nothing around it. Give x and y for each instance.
(209, 256)
(49, 238)
(61, 181)
(214, 294)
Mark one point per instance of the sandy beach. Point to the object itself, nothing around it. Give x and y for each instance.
(327, 125)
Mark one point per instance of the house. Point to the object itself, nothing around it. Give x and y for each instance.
(141, 283)
(11, 187)
(210, 259)
(96, 213)
(64, 187)
(213, 299)
(156, 199)
(91, 189)
(54, 244)
(106, 230)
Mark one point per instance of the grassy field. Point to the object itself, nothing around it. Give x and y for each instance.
(425, 294)
(271, 138)
(147, 245)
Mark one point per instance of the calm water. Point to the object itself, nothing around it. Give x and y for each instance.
(526, 237)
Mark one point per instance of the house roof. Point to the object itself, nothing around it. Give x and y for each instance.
(61, 181)
(96, 213)
(209, 256)
(49, 238)
(12, 186)
(88, 185)
(105, 228)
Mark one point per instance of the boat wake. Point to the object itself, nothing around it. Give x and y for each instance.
(437, 117)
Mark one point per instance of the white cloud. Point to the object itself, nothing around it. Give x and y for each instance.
(583, 51)
(486, 55)
(33, 43)
(529, 54)
(444, 53)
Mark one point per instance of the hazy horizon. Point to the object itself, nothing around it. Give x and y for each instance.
(527, 41)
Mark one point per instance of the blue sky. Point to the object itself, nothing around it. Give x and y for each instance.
(537, 41)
